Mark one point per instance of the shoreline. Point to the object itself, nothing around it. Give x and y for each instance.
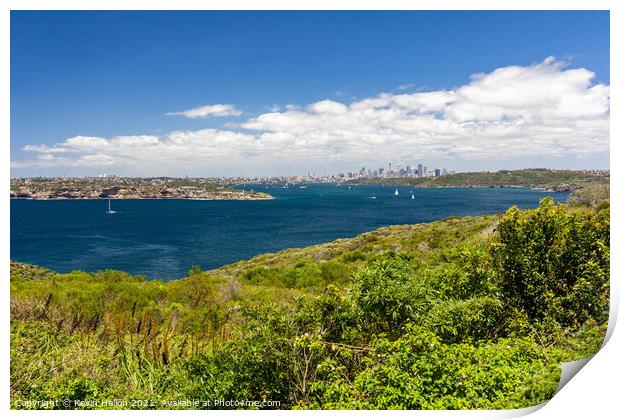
(140, 198)
(516, 187)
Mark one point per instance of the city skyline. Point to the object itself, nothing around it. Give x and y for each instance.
(363, 173)
(126, 97)
(387, 171)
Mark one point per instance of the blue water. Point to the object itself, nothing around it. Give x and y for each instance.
(164, 238)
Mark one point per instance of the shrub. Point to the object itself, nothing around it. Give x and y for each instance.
(419, 371)
(387, 295)
(554, 264)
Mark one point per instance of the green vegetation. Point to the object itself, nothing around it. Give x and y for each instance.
(474, 312)
(548, 179)
(592, 195)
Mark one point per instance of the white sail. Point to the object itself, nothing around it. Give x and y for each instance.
(110, 211)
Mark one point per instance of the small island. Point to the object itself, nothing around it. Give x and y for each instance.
(127, 188)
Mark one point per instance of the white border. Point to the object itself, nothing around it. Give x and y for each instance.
(591, 394)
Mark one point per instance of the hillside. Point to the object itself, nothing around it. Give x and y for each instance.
(547, 179)
(473, 312)
(127, 188)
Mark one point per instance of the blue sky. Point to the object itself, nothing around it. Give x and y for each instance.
(101, 76)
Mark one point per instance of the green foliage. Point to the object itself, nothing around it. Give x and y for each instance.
(304, 275)
(555, 264)
(593, 195)
(471, 319)
(194, 270)
(388, 296)
(419, 371)
(471, 273)
(253, 367)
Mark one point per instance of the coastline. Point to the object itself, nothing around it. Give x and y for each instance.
(526, 187)
(142, 198)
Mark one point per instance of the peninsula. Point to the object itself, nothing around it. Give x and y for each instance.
(537, 178)
(128, 188)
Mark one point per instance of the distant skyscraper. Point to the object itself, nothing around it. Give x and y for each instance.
(420, 170)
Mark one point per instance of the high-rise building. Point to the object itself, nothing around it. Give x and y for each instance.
(420, 173)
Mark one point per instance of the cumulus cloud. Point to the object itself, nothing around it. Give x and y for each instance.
(206, 111)
(547, 109)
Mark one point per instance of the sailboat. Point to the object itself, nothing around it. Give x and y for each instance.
(412, 196)
(110, 211)
(396, 192)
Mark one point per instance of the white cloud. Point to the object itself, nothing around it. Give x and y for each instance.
(518, 112)
(206, 111)
(327, 107)
(405, 86)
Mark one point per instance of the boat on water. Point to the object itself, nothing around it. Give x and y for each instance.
(373, 197)
(110, 211)
(412, 196)
(301, 187)
(396, 192)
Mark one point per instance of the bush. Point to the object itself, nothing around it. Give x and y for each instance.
(388, 295)
(554, 264)
(467, 320)
(419, 371)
